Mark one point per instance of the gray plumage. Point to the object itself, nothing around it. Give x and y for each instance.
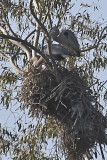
(54, 32)
(67, 39)
(58, 52)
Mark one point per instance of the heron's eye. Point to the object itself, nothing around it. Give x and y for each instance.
(66, 33)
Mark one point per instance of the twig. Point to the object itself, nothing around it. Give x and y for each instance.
(4, 56)
(7, 21)
(96, 45)
(11, 61)
(30, 34)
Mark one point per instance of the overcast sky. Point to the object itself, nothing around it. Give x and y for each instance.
(6, 117)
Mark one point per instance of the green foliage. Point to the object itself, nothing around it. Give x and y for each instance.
(7, 81)
(31, 143)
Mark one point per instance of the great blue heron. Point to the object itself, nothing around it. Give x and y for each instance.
(67, 39)
(68, 46)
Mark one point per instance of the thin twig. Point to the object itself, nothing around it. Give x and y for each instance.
(15, 41)
(11, 61)
(96, 45)
(4, 56)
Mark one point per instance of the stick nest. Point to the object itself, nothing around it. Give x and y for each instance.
(71, 103)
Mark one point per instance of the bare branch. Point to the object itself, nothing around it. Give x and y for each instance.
(37, 33)
(36, 61)
(88, 49)
(36, 5)
(30, 34)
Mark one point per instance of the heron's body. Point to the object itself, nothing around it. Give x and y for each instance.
(59, 52)
(68, 46)
(67, 39)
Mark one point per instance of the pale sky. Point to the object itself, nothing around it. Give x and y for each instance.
(6, 117)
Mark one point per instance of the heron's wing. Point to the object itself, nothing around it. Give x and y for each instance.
(58, 51)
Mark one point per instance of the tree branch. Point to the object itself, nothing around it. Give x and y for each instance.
(101, 37)
(30, 34)
(37, 33)
(38, 21)
(14, 66)
(15, 41)
(7, 21)
(4, 56)
(11, 62)
(25, 43)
